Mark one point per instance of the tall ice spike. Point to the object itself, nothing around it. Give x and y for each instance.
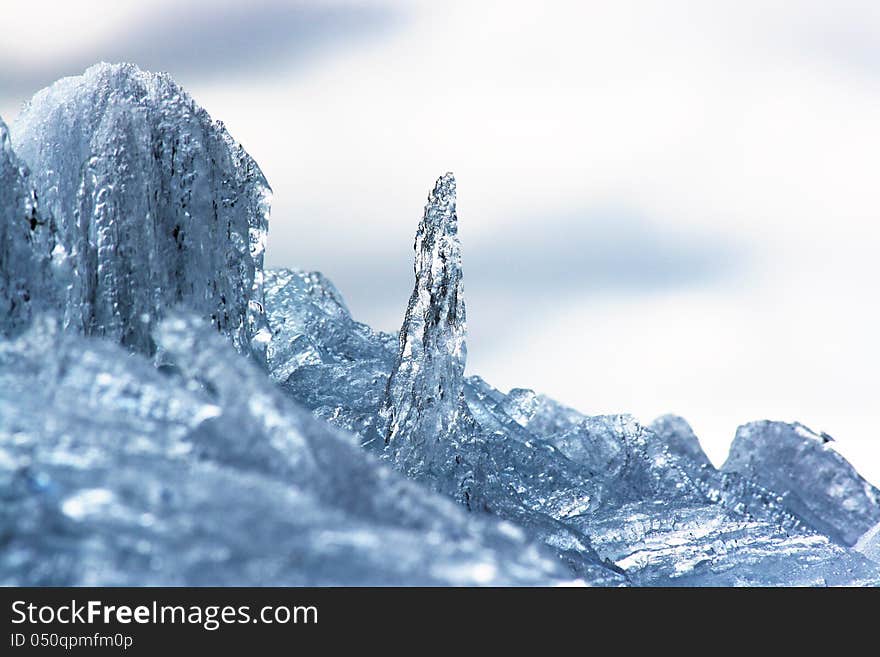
(424, 397)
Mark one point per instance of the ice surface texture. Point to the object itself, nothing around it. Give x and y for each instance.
(114, 473)
(425, 394)
(814, 482)
(155, 204)
(869, 543)
(27, 241)
(138, 447)
(591, 488)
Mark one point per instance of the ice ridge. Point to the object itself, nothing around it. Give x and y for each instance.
(155, 206)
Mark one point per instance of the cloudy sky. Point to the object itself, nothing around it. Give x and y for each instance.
(664, 206)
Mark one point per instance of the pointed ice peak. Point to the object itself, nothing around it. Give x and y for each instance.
(437, 247)
(441, 202)
(424, 393)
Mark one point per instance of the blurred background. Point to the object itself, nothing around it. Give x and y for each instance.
(664, 206)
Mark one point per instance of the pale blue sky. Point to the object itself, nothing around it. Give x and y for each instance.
(664, 206)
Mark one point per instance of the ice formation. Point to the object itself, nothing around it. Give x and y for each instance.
(155, 205)
(616, 501)
(138, 445)
(869, 543)
(814, 482)
(425, 398)
(27, 242)
(203, 472)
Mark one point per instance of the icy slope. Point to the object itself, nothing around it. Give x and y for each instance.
(813, 481)
(115, 473)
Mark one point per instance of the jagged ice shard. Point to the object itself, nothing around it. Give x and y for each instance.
(155, 205)
(424, 402)
(260, 435)
(812, 480)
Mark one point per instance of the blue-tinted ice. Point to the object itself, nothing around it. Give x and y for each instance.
(172, 414)
(154, 203)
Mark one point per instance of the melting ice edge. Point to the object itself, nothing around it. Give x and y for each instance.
(172, 414)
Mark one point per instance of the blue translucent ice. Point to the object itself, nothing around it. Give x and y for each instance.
(171, 413)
